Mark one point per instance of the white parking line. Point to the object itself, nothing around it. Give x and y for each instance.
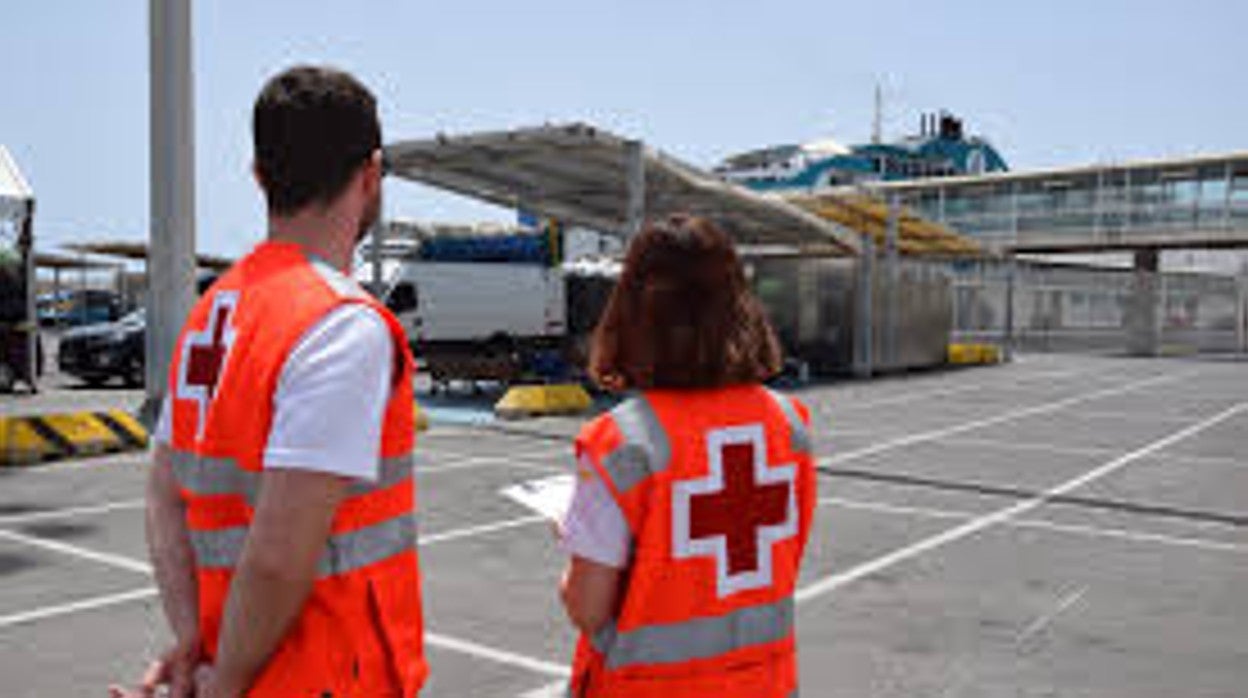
(1044, 408)
(835, 581)
(1082, 450)
(118, 561)
(1028, 446)
(468, 647)
(1129, 417)
(533, 664)
(557, 689)
(471, 531)
(66, 609)
(454, 644)
(486, 462)
(962, 388)
(68, 512)
(1042, 524)
(1046, 619)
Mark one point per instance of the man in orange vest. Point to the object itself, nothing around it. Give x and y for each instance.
(281, 505)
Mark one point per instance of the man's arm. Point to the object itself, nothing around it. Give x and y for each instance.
(275, 574)
(173, 560)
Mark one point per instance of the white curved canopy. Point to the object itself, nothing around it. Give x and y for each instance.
(578, 174)
(15, 193)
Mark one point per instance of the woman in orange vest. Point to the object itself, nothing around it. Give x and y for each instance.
(695, 495)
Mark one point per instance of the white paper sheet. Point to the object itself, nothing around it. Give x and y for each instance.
(548, 496)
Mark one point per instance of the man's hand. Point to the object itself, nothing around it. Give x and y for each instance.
(175, 669)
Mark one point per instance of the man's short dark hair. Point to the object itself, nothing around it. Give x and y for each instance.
(313, 128)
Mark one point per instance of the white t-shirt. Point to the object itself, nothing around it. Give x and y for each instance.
(331, 397)
(594, 527)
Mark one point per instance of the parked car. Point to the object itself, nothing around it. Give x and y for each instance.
(98, 353)
(78, 307)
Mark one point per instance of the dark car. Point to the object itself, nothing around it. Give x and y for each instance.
(74, 308)
(97, 353)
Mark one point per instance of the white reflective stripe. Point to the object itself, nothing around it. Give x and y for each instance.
(344, 552)
(644, 450)
(203, 475)
(800, 440)
(699, 638)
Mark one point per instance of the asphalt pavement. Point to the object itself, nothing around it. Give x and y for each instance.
(1058, 526)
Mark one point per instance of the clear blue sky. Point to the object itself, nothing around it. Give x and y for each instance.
(1050, 83)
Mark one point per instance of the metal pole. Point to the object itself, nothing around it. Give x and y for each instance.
(1098, 206)
(1128, 206)
(171, 267)
(1241, 325)
(1197, 201)
(1226, 203)
(864, 323)
(635, 171)
(26, 245)
(893, 274)
(1008, 348)
(1011, 274)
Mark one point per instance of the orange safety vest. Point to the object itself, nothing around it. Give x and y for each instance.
(718, 490)
(360, 632)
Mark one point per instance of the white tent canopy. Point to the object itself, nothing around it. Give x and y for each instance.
(580, 175)
(15, 193)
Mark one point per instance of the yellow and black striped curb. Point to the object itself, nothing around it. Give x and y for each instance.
(28, 439)
(969, 354)
(523, 401)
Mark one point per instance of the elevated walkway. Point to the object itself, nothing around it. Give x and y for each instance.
(1199, 202)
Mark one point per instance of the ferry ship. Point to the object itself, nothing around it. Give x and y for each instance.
(941, 149)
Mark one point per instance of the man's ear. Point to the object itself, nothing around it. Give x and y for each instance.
(373, 172)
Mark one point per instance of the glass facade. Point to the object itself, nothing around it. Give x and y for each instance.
(1193, 202)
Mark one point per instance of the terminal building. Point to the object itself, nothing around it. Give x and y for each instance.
(1087, 244)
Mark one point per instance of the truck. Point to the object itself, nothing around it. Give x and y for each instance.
(481, 308)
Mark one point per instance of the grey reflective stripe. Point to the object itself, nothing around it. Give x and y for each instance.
(645, 449)
(219, 548)
(698, 638)
(800, 441)
(344, 552)
(206, 475)
(362, 547)
(604, 638)
(391, 472)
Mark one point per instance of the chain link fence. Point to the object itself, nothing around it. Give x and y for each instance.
(1076, 308)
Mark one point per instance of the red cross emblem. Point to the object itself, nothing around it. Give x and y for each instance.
(205, 353)
(738, 512)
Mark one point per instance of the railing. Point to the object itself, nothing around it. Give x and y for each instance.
(1182, 203)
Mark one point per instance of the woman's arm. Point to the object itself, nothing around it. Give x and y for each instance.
(590, 593)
